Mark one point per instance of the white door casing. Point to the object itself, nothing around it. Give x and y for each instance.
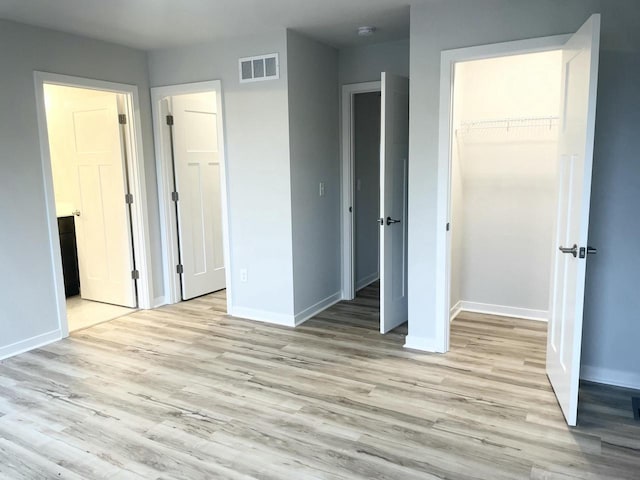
(198, 179)
(578, 112)
(103, 228)
(394, 152)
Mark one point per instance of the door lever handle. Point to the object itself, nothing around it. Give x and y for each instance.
(587, 251)
(391, 220)
(573, 250)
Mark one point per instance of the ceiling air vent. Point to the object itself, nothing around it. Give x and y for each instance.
(259, 68)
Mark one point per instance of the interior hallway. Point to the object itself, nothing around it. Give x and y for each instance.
(187, 392)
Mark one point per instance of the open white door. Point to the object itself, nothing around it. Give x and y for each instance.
(394, 152)
(103, 228)
(197, 171)
(578, 113)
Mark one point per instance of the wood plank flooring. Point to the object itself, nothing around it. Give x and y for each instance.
(186, 392)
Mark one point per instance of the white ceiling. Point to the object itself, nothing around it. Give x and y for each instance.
(149, 24)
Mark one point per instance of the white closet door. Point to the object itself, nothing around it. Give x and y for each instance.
(103, 229)
(394, 152)
(197, 168)
(578, 113)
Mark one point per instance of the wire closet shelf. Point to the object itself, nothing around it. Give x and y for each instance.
(519, 126)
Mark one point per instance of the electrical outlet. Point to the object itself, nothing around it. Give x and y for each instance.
(244, 275)
(321, 189)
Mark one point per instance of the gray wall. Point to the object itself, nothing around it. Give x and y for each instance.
(313, 140)
(26, 287)
(611, 338)
(366, 63)
(367, 188)
(257, 149)
(611, 332)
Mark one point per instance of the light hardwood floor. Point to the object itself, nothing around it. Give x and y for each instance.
(186, 392)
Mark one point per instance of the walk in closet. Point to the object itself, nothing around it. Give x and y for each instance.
(504, 182)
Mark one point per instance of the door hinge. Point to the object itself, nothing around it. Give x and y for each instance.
(179, 269)
(175, 197)
(448, 226)
(135, 274)
(169, 120)
(128, 198)
(122, 119)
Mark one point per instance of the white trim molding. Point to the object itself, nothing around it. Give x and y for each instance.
(31, 343)
(455, 310)
(159, 301)
(448, 60)
(313, 310)
(366, 281)
(263, 316)
(504, 311)
(607, 376)
(422, 344)
(139, 211)
(168, 222)
(284, 319)
(347, 180)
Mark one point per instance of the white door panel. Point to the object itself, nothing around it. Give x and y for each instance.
(579, 81)
(103, 229)
(394, 152)
(197, 169)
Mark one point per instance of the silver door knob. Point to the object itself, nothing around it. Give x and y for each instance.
(573, 250)
(76, 213)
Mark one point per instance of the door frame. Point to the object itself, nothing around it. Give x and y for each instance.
(448, 60)
(347, 173)
(136, 171)
(168, 221)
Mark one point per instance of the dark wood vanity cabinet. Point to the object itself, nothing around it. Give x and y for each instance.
(69, 251)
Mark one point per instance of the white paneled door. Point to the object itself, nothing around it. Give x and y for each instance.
(197, 170)
(103, 228)
(578, 111)
(394, 152)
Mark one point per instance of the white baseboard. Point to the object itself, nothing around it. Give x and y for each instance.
(423, 344)
(501, 310)
(159, 302)
(313, 310)
(30, 343)
(455, 310)
(368, 280)
(619, 378)
(264, 316)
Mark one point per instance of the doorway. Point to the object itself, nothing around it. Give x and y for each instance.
(90, 143)
(191, 165)
(503, 184)
(375, 137)
(366, 156)
(574, 158)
